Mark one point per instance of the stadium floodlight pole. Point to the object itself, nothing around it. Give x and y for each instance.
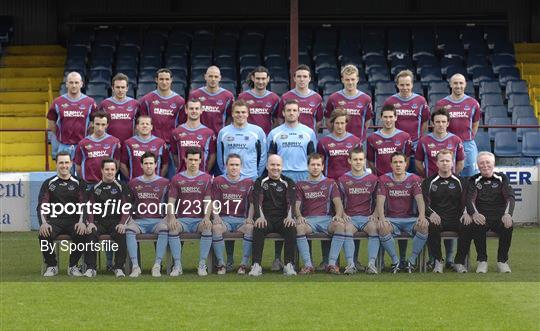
(293, 40)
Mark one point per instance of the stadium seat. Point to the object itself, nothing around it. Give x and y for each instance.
(482, 141)
(180, 88)
(144, 88)
(450, 61)
(385, 87)
(522, 112)
(430, 74)
(481, 74)
(469, 89)
(150, 63)
(126, 64)
(531, 144)
(491, 100)
(82, 37)
(434, 98)
(147, 75)
(478, 48)
(279, 87)
(100, 76)
(499, 61)
(489, 87)
(332, 87)
(417, 88)
(106, 37)
(507, 74)
(97, 90)
(75, 64)
(526, 121)
(494, 111)
(451, 70)
(454, 48)
(77, 51)
(129, 37)
(498, 121)
(516, 87)
(518, 100)
(506, 144)
(426, 61)
(503, 47)
(440, 86)
(474, 62)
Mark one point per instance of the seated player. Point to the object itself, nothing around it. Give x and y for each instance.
(313, 212)
(444, 195)
(108, 192)
(396, 194)
(190, 194)
(234, 213)
(490, 204)
(358, 191)
(148, 190)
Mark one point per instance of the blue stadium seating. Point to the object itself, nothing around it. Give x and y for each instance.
(454, 48)
(434, 97)
(531, 144)
(385, 87)
(481, 74)
(97, 90)
(131, 90)
(471, 35)
(430, 74)
(498, 121)
(506, 145)
(526, 121)
(76, 52)
(332, 87)
(106, 37)
(364, 87)
(499, 61)
(100, 76)
(148, 75)
(130, 38)
(426, 61)
(489, 87)
(469, 89)
(507, 74)
(326, 75)
(491, 100)
(451, 70)
(521, 112)
(474, 62)
(482, 141)
(417, 88)
(82, 37)
(439, 86)
(518, 100)
(378, 76)
(144, 88)
(450, 61)
(279, 87)
(503, 47)
(516, 87)
(479, 48)
(494, 111)
(76, 64)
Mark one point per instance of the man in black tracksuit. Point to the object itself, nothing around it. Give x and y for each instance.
(273, 199)
(61, 189)
(444, 195)
(109, 221)
(490, 204)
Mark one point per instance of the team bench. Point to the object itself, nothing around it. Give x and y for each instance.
(234, 236)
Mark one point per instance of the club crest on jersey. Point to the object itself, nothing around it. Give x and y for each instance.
(359, 105)
(467, 108)
(88, 146)
(156, 189)
(202, 99)
(135, 145)
(173, 105)
(324, 187)
(219, 102)
(378, 142)
(155, 102)
(434, 188)
(312, 104)
(106, 146)
(341, 103)
(495, 185)
(348, 145)
(65, 105)
(268, 105)
(224, 186)
(111, 107)
(246, 138)
(250, 102)
(242, 189)
(71, 187)
(153, 148)
(431, 145)
(368, 184)
(479, 186)
(129, 108)
(408, 185)
(82, 107)
(230, 138)
(279, 189)
(283, 136)
(414, 106)
(199, 137)
(451, 186)
(114, 191)
(200, 182)
(52, 187)
(300, 136)
(138, 187)
(397, 143)
(265, 186)
(331, 145)
(98, 191)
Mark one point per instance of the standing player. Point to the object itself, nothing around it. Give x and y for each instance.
(444, 195)
(194, 134)
(310, 103)
(109, 191)
(292, 141)
(358, 191)
(190, 194)
(164, 106)
(235, 213)
(135, 147)
(69, 116)
(313, 210)
(356, 103)
(490, 203)
(262, 104)
(95, 148)
(431, 144)
(412, 110)
(336, 145)
(465, 116)
(149, 191)
(386, 141)
(244, 139)
(122, 109)
(61, 188)
(216, 101)
(396, 193)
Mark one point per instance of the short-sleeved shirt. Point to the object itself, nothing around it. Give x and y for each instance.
(429, 146)
(399, 201)
(184, 137)
(72, 117)
(336, 153)
(147, 196)
(380, 148)
(358, 193)
(233, 196)
(189, 194)
(310, 107)
(293, 145)
(358, 108)
(164, 111)
(411, 113)
(261, 108)
(316, 196)
(123, 114)
(90, 152)
(136, 146)
(216, 107)
(463, 113)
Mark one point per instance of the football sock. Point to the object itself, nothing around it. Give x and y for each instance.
(219, 246)
(205, 244)
(246, 248)
(389, 246)
(303, 249)
(335, 247)
(348, 248)
(161, 245)
(419, 241)
(176, 249)
(131, 243)
(373, 248)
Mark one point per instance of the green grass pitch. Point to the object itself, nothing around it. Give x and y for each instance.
(419, 301)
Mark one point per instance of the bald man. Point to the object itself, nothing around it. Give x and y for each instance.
(69, 116)
(216, 102)
(465, 116)
(274, 196)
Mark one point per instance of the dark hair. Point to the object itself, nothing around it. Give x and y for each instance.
(440, 111)
(232, 156)
(101, 114)
(389, 108)
(303, 67)
(120, 76)
(239, 103)
(194, 150)
(356, 150)
(398, 154)
(147, 155)
(108, 160)
(63, 153)
(144, 116)
(314, 156)
(444, 152)
(163, 70)
(249, 80)
(194, 100)
(291, 102)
